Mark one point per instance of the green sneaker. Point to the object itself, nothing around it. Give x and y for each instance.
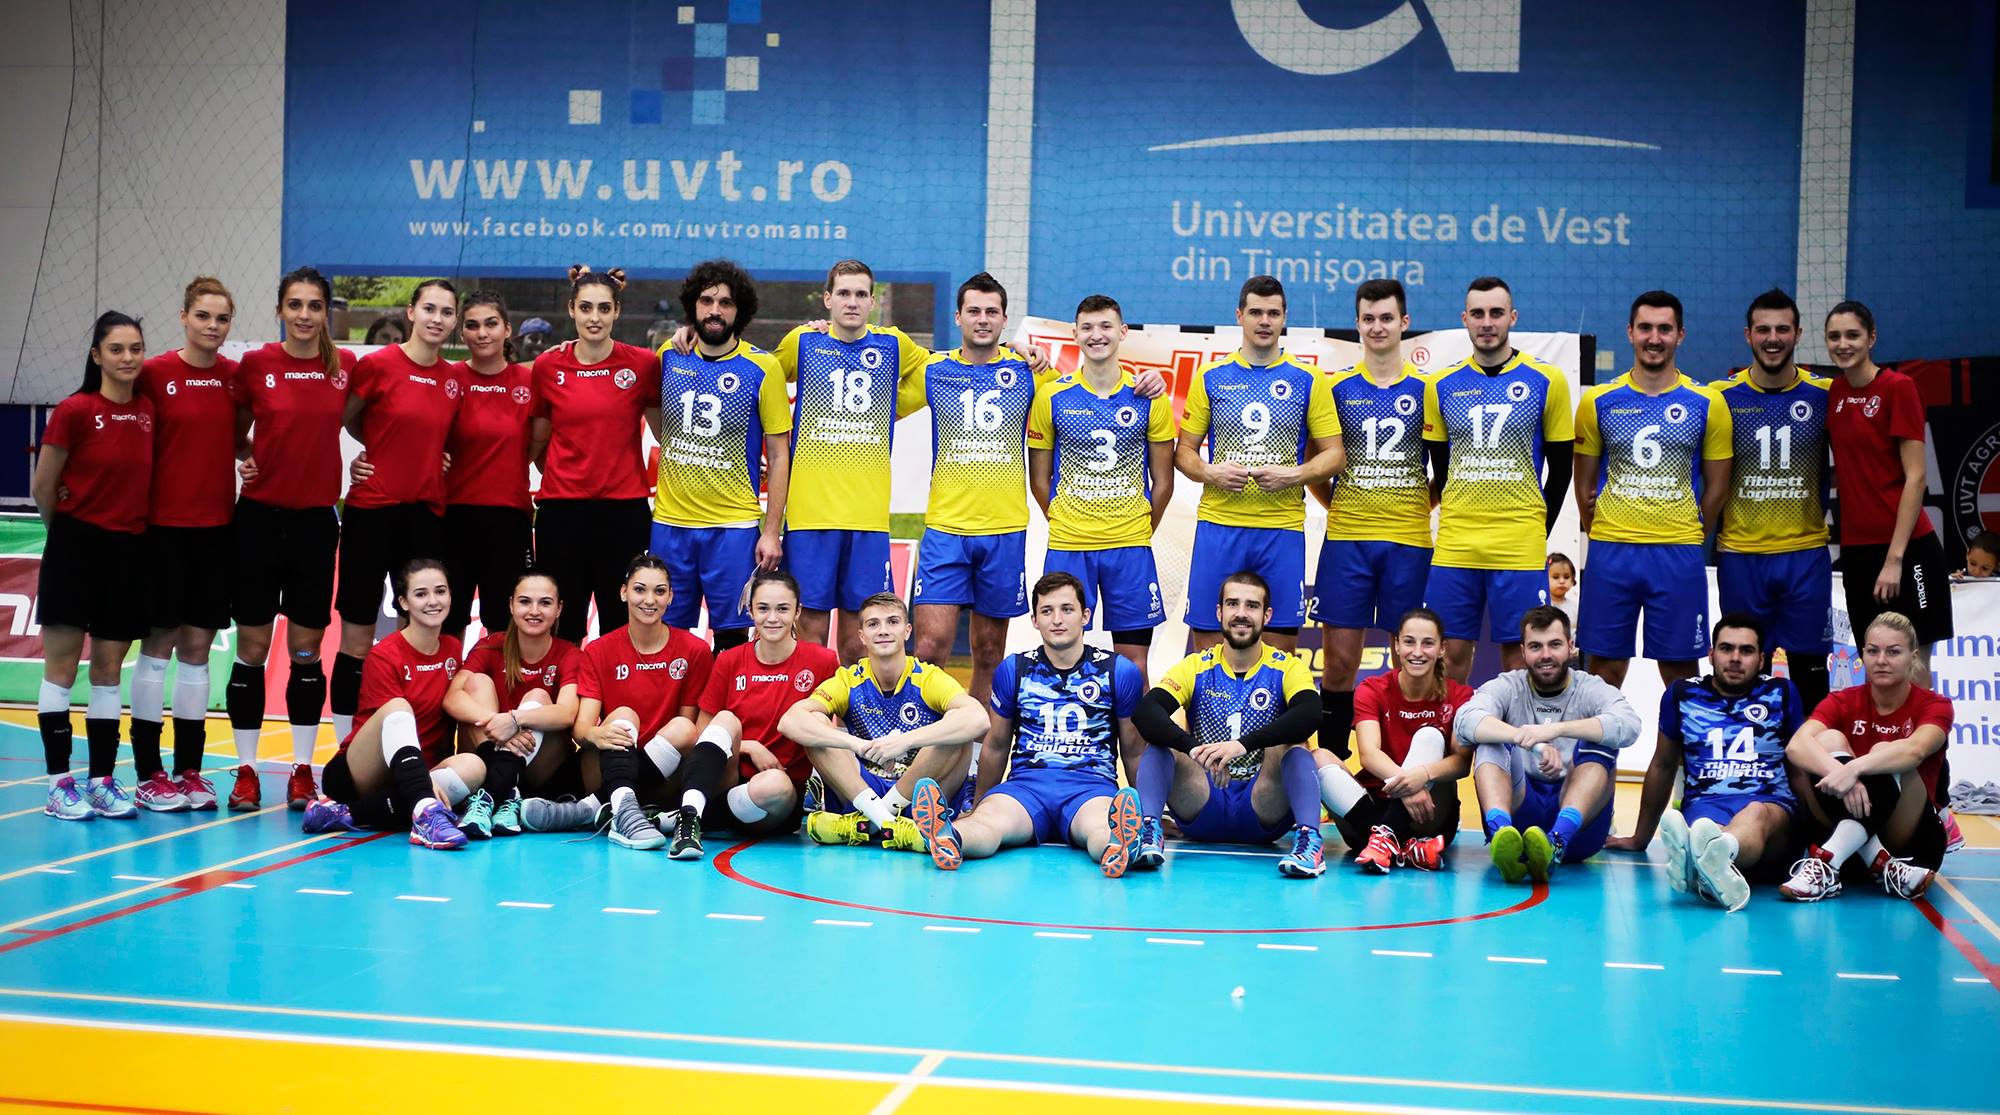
(507, 817)
(1541, 853)
(904, 836)
(1507, 852)
(477, 820)
(823, 827)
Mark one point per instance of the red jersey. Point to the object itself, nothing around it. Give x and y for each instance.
(1864, 425)
(596, 414)
(194, 441)
(296, 409)
(489, 439)
(1381, 699)
(110, 466)
(760, 694)
(393, 669)
(612, 672)
(1851, 712)
(406, 413)
(551, 672)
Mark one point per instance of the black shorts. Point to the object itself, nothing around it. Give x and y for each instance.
(190, 572)
(82, 567)
(485, 549)
(376, 542)
(585, 545)
(284, 564)
(1925, 596)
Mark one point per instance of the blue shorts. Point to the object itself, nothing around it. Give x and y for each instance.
(1369, 584)
(1539, 806)
(1278, 556)
(838, 568)
(1461, 597)
(832, 802)
(987, 571)
(1053, 798)
(706, 563)
(1228, 817)
(1667, 582)
(1792, 594)
(1723, 808)
(1125, 577)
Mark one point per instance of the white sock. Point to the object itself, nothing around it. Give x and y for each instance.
(343, 726)
(53, 698)
(621, 796)
(246, 743)
(695, 799)
(104, 703)
(1870, 850)
(1338, 789)
(191, 692)
(529, 706)
(418, 809)
(895, 800)
(742, 808)
(399, 734)
(1848, 837)
(455, 789)
(663, 755)
(874, 808)
(149, 688)
(1426, 747)
(305, 737)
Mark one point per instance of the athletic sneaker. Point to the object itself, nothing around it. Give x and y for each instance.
(199, 791)
(108, 799)
(1152, 851)
(1953, 839)
(1679, 845)
(328, 815)
(248, 793)
(1509, 855)
(631, 829)
(507, 816)
(823, 827)
(435, 828)
(1307, 859)
(933, 820)
(1380, 854)
(686, 843)
(477, 820)
(299, 789)
(902, 835)
(1717, 878)
(161, 794)
(1901, 877)
(1541, 853)
(66, 802)
(1813, 877)
(1125, 824)
(567, 815)
(1425, 853)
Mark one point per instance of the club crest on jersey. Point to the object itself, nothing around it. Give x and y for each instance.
(1088, 691)
(1801, 410)
(339, 380)
(871, 358)
(1676, 412)
(1872, 406)
(1757, 713)
(728, 382)
(1517, 391)
(624, 378)
(677, 669)
(1281, 389)
(908, 715)
(1260, 699)
(1004, 377)
(522, 395)
(803, 681)
(1406, 405)
(451, 389)
(1126, 416)
(145, 422)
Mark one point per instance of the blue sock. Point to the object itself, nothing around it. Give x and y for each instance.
(1567, 822)
(1301, 781)
(1497, 819)
(1156, 779)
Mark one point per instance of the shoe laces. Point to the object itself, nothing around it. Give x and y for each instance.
(687, 824)
(1304, 842)
(628, 819)
(1816, 871)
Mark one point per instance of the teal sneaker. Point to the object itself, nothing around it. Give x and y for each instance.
(477, 820)
(108, 799)
(507, 816)
(66, 802)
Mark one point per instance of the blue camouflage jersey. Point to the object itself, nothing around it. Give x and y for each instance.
(1732, 746)
(1066, 719)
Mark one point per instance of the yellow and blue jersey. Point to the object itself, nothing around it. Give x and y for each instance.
(1252, 416)
(714, 416)
(1491, 515)
(1384, 496)
(1066, 719)
(849, 395)
(1652, 447)
(1777, 490)
(1732, 745)
(1101, 496)
(979, 461)
(918, 698)
(1222, 704)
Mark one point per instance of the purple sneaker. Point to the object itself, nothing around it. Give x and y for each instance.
(436, 828)
(327, 815)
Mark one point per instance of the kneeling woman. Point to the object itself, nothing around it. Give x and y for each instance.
(516, 698)
(1402, 720)
(396, 767)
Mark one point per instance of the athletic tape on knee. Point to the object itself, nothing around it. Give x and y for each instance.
(454, 787)
(53, 697)
(191, 692)
(149, 688)
(104, 703)
(742, 808)
(1426, 747)
(663, 756)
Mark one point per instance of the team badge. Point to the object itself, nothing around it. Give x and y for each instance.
(1757, 713)
(1126, 416)
(522, 395)
(1801, 410)
(450, 666)
(728, 382)
(677, 669)
(871, 358)
(145, 422)
(1281, 389)
(1676, 412)
(803, 681)
(339, 380)
(624, 378)
(1088, 691)
(451, 389)
(1004, 377)
(1872, 406)
(1260, 699)
(1406, 405)
(1517, 391)
(908, 715)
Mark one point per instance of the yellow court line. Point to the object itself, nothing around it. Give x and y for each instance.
(168, 882)
(130, 844)
(1213, 1072)
(1978, 914)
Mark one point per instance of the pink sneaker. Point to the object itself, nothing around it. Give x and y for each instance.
(1953, 839)
(199, 791)
(161, 794)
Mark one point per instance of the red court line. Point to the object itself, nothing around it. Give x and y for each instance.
(73, 1105)
(725, 864)
(182, 889)
(1965, 947)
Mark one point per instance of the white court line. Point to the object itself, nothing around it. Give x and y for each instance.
(420, 898)
(55, 870)
(528, 905)
(239, 886)
(1287, 948)
(1868, 976)
(951, 929)
(894, 1100)
(1517, 960)
(628, 910)
(1635, 967)
(1751, 972)
(737, 917)
(1063, 936)
(1181, 851)
(137, 878)
(323, 890)
(841, 922)
(1174, 941)
(1401, 952)
(1968, 979)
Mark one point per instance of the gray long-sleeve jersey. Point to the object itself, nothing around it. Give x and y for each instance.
(1513, 698)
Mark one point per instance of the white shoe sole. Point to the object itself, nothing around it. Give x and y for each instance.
(1721, 878)
(1680, 859)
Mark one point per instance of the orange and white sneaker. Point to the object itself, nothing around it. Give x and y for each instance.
(248, 793)
(299, 789)
(1425, 853)
(1381, 853)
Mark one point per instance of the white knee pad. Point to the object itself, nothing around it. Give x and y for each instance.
(399, 734)
(454, 787)
(742, 808)
(1426, 747)
(528, 706)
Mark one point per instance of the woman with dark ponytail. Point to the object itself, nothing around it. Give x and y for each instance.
(516, 699)
(488, 523)
(92, 482)
(290, 399)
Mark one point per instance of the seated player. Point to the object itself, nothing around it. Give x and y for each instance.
(861, 723)
(1548, 739)
(748, 691)
(517, 689)
(1240, 773)
(1727, 732)
(1062, 716)
(396, 767)
(1868, 760)
(637, 683)
(1401, 722)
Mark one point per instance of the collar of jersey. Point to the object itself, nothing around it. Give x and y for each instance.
(1000, 356)
(1407, 371)
(1284, 357)
(1805, 378)
(867, 668)
(1625, 380)
(1264, 658)
(1124, 380)
(1519, 358)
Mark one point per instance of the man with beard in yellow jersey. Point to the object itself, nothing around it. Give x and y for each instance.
(1491, 422)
